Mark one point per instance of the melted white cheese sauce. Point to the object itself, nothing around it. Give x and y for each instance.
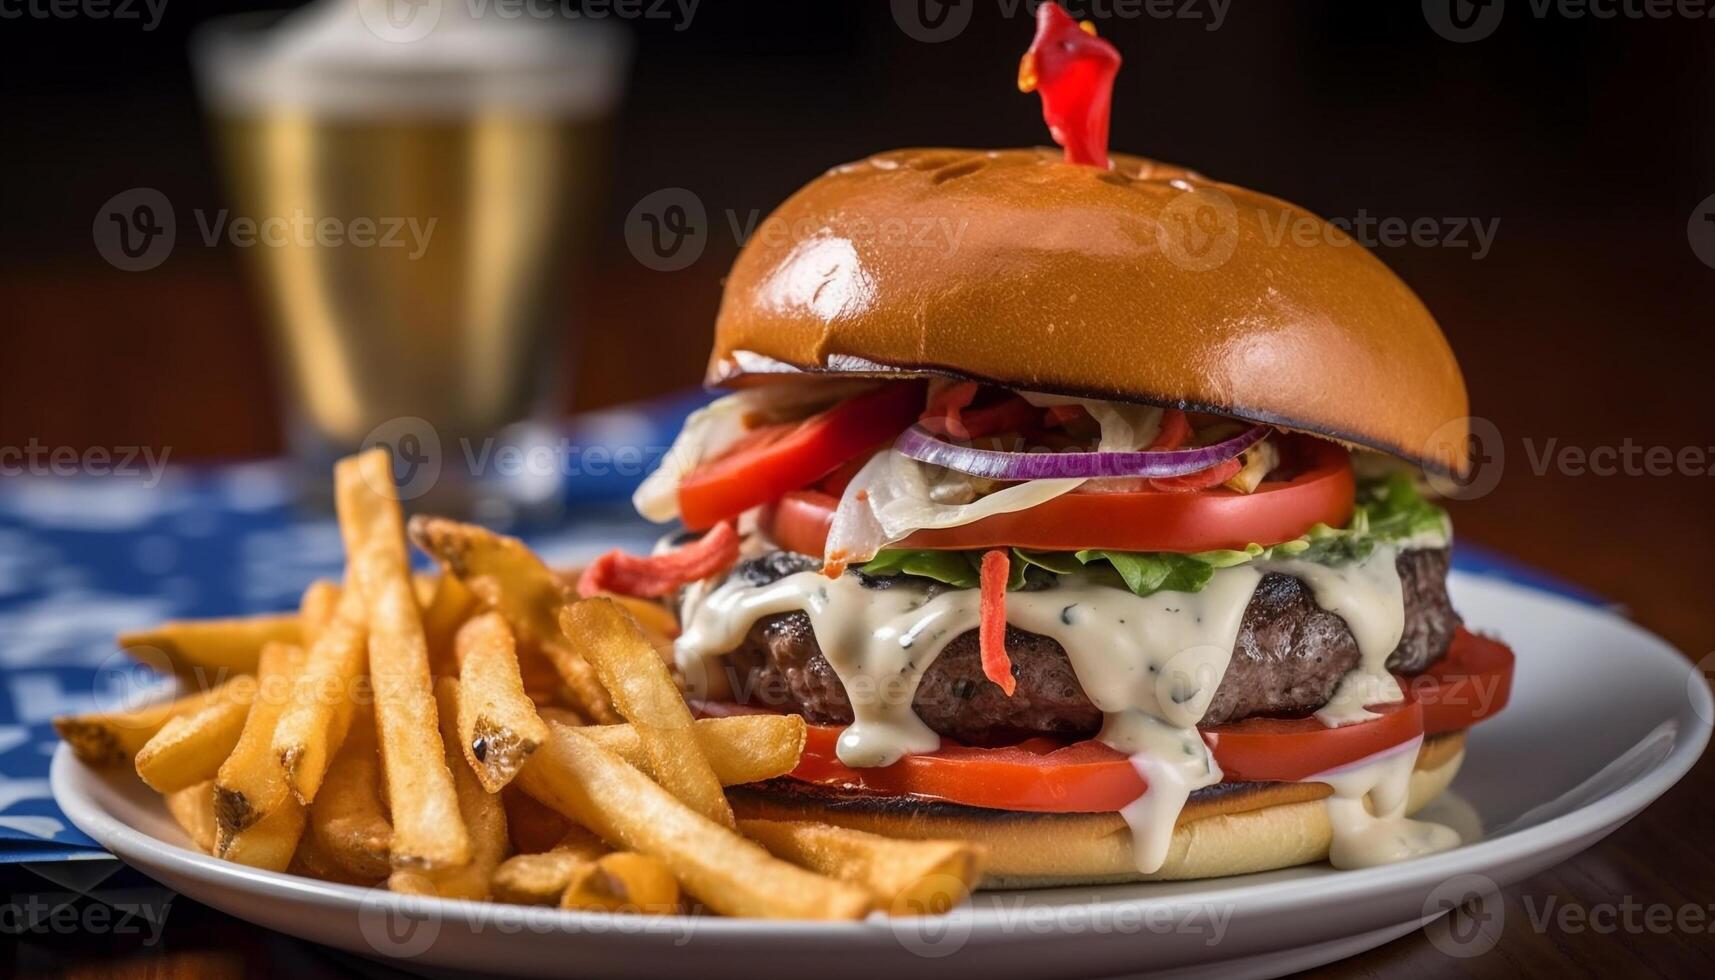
(1367, 811)
(1368, 595)
(1151, 664)
(878, 641)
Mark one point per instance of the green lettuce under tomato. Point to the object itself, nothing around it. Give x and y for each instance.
(1388, 511)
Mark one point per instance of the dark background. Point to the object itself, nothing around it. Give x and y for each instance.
(1591, 141)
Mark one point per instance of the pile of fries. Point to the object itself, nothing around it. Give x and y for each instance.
(483, 734)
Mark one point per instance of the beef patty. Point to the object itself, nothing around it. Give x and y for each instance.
(1290, 655)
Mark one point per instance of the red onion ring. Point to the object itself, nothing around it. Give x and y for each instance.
(919, 444)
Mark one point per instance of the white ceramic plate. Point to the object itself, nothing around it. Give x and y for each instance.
(1540, 783)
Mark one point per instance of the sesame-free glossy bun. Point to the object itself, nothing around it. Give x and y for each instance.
(1145, 283)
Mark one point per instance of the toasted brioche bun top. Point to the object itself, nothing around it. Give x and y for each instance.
(1147, 283)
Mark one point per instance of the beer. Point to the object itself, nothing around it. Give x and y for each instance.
(443, 312)
(410, 229)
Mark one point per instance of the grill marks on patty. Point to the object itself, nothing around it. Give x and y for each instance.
(1290, 655)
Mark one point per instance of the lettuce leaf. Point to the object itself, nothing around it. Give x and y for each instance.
(1388, 511)
(1146, 573)
(952, 567)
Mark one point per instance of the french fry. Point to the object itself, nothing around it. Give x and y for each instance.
(249, 785)
(190, 748)
(349, 816)
(498, 726)
(535, 879)
(484, 818)
(112, 738)
(623, 882)
(554, 714)
(581, 844)
(424, 588)
(645, 694)
(316, 610)
(257, 821)
(193, 809)
(656, 619)
(210, 650)
(741, 749)
(660, 624)
(428, 832)
(269, 843)
(445, 612)
(313, 860)
(315, 719)
(910, 877)
(508, 578)
(601, 791)
(540, 879)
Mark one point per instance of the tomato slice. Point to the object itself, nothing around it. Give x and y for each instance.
(777, 459)
(1039, 775)
(800, 521)
(1264, 749)
(1146, 520)
(1472, 682)
(1042, 775)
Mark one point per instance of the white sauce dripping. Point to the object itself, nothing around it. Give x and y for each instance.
(1363, 839)
(1174, 763)
(878, 641)
(1152, 665)
(1368, 595)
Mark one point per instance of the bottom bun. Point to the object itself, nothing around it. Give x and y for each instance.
(1228, 829)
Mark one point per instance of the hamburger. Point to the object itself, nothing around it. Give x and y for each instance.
(1109, 553)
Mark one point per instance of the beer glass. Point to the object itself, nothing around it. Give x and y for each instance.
(412, 180)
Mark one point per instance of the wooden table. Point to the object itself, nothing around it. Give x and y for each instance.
(1568, 345)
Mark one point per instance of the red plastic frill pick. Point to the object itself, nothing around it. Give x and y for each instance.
(1073, 70)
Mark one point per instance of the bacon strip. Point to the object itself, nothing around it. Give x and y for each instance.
(950, 414)
(943, 416)
(1003, 416)
(660, 575)
(991, 630)
(1175, 429)
(1175, 432)
(1058, 415)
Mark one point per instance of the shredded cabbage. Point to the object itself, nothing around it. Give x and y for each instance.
(894, 495)
(1125, 427)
